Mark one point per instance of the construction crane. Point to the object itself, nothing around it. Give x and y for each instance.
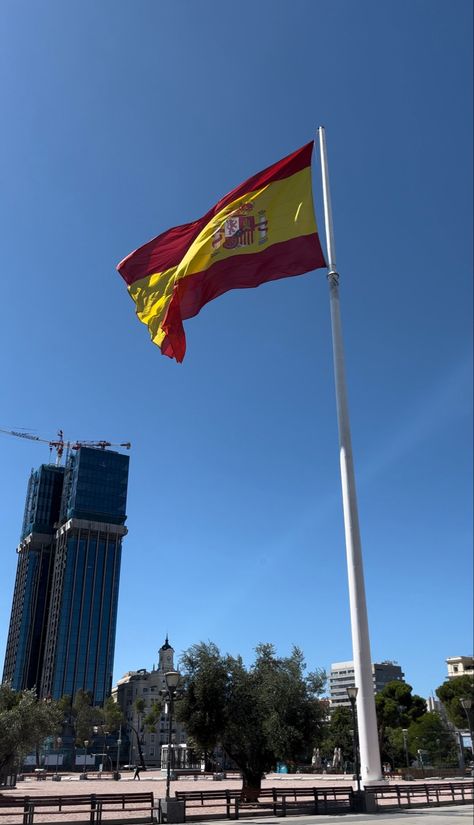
(60, 444)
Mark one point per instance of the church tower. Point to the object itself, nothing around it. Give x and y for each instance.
(166, 657)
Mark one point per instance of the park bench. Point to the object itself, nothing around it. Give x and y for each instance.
(321, 800)
(427, 793)
(98, 774)
(92, 805)
(210, 798)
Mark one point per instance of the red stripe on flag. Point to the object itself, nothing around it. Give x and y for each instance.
(281, 260)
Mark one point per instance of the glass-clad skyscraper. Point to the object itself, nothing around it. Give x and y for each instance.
(27, 631)
(76, 649)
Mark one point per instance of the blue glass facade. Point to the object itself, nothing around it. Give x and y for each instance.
(43, 499)
(80, 652)
(66, 594)
(96, 486)
(26, 635)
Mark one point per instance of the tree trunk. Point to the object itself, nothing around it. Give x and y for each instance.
(139, 746)
(140, 751)
(251, 785)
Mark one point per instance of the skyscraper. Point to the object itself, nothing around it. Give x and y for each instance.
(27, 631)
(62, 629)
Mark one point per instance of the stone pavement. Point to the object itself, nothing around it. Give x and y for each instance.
(155, 781)
(446, 815)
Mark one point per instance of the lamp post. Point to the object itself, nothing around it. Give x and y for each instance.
(59, 742)
(172, 679)
(352, 694)
(405, 747)
(107, 734)
(466, 706)
(83, 774)
(119, 742)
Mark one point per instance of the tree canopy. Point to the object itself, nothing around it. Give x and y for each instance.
(450, 694)
(339, 732)
(268, 712)
(24, 723)
(430, 734)
(397, 706)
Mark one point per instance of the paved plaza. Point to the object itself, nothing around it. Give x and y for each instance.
(155, 782)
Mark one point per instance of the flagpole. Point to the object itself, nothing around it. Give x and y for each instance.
(367, 721)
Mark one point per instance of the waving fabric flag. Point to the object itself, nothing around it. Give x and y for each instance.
(263, 230)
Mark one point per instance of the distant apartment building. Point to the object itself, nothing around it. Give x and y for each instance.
(460, 666)
(147, 684)
(342, 676)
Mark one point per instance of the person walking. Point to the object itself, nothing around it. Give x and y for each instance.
(136, 774)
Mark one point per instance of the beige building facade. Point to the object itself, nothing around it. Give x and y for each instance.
(460, 666)
(146, 685)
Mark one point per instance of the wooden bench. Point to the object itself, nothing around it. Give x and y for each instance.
(91, 804)
(322, 799)
(212, 799)
(427, 793)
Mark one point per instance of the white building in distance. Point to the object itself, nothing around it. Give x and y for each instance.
(460, 666)
(342, 676)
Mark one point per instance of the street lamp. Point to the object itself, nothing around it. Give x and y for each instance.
(466, 706)
(119, 742)
(86, 745)
(59, 742)
(352, 694)
(405, 746)
(172, 679)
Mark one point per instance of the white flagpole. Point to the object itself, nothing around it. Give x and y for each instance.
(367, 721)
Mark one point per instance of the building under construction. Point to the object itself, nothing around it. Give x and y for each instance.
(62, 629)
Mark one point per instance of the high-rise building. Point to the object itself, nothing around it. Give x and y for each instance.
(342, 676)
(62, 628)
(27, 631)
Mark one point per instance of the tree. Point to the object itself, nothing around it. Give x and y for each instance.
(268, 712)
(396, 708)
(338, 734)
(450, 694)
(137, 729)
(24, 723)
(112, 716)
(85, 716)
(430, 733)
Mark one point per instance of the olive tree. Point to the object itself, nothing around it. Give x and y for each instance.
(267, 712)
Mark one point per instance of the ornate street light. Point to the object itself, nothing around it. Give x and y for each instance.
(59, 742)
(119, 742)
(466, 706)
(405, 746)
(86, 745)
(172, 679)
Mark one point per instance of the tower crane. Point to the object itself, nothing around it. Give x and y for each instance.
(59, 444)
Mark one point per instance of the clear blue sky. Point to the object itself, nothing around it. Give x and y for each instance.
(120, 120)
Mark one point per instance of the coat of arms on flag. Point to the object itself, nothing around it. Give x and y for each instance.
(239, 228)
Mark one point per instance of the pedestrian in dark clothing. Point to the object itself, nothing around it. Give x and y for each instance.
(136, 775)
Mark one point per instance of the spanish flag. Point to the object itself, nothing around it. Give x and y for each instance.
(263, 230)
